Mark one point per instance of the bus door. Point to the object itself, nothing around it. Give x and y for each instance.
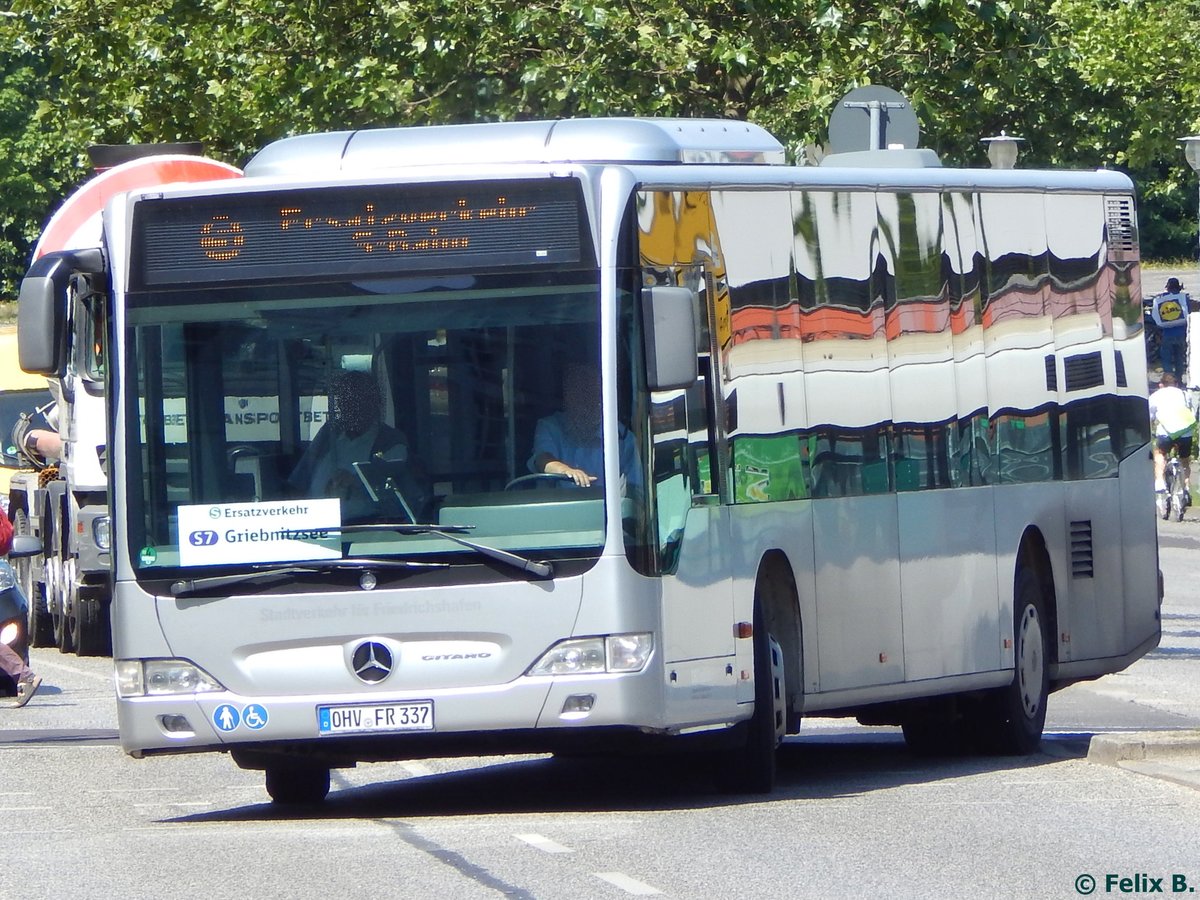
(694, 552)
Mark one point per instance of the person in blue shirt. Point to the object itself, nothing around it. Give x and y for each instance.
(569, 443)
(1169, 311)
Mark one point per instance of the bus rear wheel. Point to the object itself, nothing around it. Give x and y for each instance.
(289, 784)
(1011, 719)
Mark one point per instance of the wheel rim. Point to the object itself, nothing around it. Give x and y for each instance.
(1030, 664)
(23, 568)
(70, 595)
(53, 598)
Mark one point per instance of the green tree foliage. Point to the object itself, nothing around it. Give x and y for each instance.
(1139, 59)
(1087, 82)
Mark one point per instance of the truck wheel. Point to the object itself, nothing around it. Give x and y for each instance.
(90, 633)
(41, 628)
(56, 600)
(291, 784)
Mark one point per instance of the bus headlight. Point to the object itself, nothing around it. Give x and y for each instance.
(102, 532)
(159, 677)
(10, 631)
(596, 655)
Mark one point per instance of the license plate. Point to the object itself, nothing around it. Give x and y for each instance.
(360, 718)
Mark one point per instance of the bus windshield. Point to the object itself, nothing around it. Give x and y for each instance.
(285, 423)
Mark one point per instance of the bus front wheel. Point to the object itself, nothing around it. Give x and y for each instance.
(749, 767)
(291, 784)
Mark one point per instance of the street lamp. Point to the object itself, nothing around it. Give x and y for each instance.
(1002, 150)
(1191, 149)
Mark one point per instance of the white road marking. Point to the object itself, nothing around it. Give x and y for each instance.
(627, 884)
(416, 769)
(140, 790)
(543, 843)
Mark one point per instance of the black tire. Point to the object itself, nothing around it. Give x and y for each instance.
(750, 766)
(41, 628)
(924, 737)
(934, 732)
(289, 784)
(1011, 719)
(63, 637)
(1178, 499)
(91, 633)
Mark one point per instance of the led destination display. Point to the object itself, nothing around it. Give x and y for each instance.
(356, 231)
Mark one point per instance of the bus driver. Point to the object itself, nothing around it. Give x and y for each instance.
(568, 442)
(354, 433)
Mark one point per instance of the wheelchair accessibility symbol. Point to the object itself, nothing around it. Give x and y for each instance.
(254, 716)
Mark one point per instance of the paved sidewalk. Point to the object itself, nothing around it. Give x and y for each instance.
(1168, 755)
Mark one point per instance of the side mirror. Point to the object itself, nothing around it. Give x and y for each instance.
(42, 313)
(669, 317)
(25, 545)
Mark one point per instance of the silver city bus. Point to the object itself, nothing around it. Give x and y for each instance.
(863, 439)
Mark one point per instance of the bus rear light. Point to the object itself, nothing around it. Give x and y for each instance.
(596, 655)
(159, 677)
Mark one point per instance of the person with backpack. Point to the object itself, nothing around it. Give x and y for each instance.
(1169, 311)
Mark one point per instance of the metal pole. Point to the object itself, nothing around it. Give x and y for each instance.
(875, 109)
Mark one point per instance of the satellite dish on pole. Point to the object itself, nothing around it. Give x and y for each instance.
(873, 117)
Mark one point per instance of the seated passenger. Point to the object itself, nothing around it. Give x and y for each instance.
(354, 433)
(568, 442)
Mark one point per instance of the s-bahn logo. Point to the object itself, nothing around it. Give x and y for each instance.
(371, 662)
(203, 538)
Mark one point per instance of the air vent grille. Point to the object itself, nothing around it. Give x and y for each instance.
(1084, 371)
(1081, 549)
(1122, 229)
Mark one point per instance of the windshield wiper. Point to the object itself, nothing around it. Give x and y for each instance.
(271, 573)
(451, 533)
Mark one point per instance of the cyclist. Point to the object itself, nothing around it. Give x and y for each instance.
(1173, 422)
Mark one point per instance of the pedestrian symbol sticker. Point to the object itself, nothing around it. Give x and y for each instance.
(254, 716)
(226, 717)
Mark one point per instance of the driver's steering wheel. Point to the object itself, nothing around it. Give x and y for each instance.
(536, 476)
